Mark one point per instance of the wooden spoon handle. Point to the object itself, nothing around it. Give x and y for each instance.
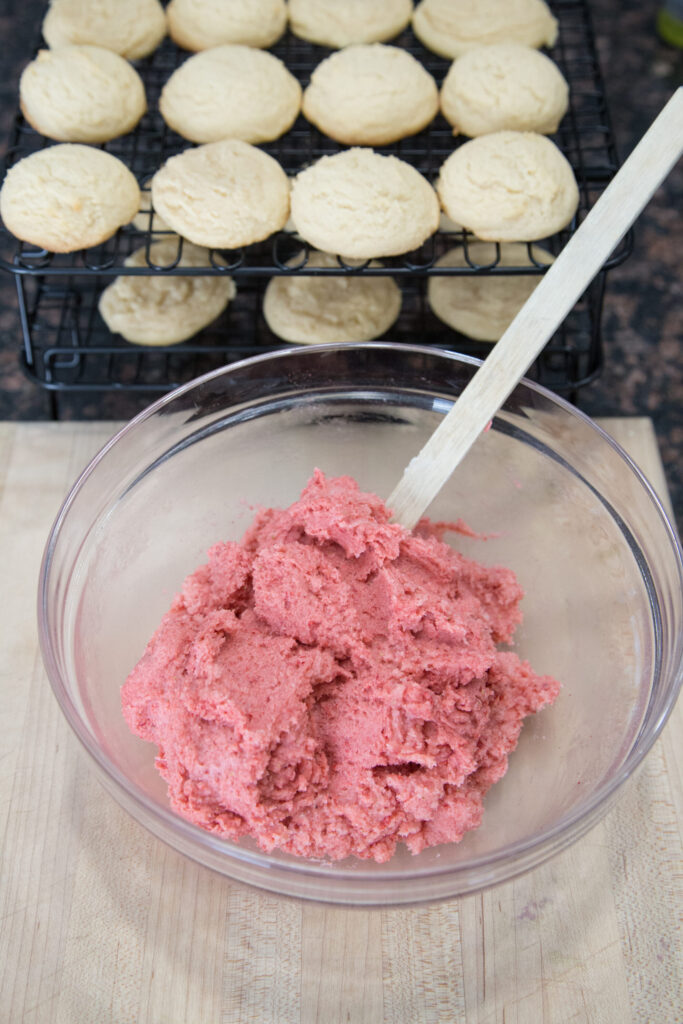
(557, 292)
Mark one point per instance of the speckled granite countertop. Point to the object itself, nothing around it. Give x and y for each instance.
(642, 322)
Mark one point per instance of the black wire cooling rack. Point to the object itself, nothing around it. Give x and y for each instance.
(67, 347)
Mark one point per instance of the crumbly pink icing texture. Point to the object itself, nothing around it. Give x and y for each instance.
(332, 685)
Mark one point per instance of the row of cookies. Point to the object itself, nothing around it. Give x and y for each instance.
(505, 186)
(304, 308)
(365, 94)
(307, 309)
(134, 28)
(360, 204)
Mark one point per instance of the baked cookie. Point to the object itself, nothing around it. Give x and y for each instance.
(502, 87)
(81, 94)
(201, 24)
(509, 186)
(164, 309)
(132, 28)
(361, 205)
(330, 308)
(370, 95)
(68, 197)
(223, 194)
(335, 24)
(231, 92)
(451, 27)
(482, 306)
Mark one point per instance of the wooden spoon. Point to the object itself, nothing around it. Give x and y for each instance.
(558, 290)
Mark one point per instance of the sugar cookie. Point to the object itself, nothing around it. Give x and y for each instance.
(223, 194)
(68, 197)
(201, 24)
(360, 205)
(81, 94)
(509, 186)
(132, 28)
(164, 309)
(451, 27)
(504, 86)
(482, 306)
(231, 92)
(335, 24)
(370, 95)
(331, 308)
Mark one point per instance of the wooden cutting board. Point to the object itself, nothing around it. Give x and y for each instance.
(102, 923)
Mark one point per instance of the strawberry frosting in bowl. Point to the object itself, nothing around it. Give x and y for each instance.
(332, 685)
(286, 687)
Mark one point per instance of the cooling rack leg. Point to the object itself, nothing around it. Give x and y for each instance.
(24, 319)
(52, 405)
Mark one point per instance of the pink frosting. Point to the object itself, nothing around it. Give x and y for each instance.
(332, 686)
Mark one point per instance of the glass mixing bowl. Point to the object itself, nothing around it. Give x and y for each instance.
(566, 508)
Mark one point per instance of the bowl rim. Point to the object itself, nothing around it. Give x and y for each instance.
(571, 826)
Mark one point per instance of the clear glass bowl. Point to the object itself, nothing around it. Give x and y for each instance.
(569, 511)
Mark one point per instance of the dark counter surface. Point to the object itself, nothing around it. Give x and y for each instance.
(642, 321)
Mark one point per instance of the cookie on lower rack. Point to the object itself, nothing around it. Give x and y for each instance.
(201, 24)
(481, 306)
(370, 95)
(332, 307)
(68, 197)
(334, 24)
(451, 27)
(81, 94)
(231, 92)
(503, 87)
(223, 194)
(361, 205)
(164, 308)
(509, 186)
(132, 28)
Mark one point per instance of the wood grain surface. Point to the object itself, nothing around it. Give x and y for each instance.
(100, 922)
